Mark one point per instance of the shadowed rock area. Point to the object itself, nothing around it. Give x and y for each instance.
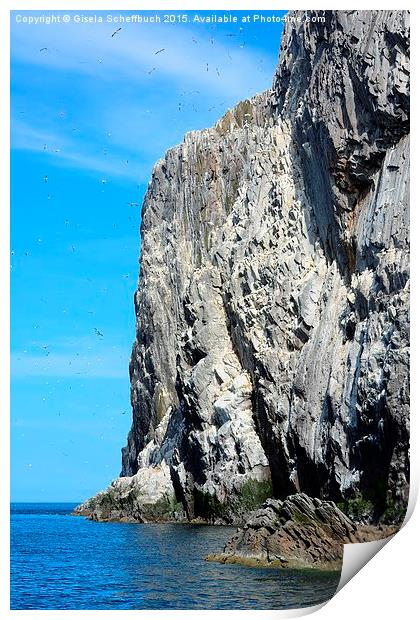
(271, 352)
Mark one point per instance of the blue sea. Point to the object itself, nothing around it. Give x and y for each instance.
(63, 562)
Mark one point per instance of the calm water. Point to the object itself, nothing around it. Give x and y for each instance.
(64, 562)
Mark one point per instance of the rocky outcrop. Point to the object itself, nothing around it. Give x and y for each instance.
(271, 351)
(147, 496)
(299, 532)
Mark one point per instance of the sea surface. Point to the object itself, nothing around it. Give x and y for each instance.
(63, 562)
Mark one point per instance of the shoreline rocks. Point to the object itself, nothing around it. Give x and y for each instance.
(147, 496)
(299, 532)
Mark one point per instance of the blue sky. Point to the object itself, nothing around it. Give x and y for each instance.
(90, 114)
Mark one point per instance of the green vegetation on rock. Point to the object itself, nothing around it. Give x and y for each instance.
(162, 510)
(394, 513)
(254, 493)
(357, 508)
(208, 506)
(373, 508)
(251, 496)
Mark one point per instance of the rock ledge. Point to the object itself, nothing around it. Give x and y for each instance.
(299, 532)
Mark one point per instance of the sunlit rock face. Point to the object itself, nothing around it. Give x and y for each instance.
(271, 350)
(299, 532)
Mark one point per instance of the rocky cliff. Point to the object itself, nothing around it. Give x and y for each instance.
(271, 350)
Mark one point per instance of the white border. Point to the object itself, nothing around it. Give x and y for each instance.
(386, 587)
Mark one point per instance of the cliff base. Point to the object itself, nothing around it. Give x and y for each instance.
(299, 532)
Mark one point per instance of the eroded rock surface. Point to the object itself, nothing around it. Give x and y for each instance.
(299, 532)
(271, 351)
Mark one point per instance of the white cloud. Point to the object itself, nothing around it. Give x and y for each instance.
(188, 56)
(122, 106)
(64, 151)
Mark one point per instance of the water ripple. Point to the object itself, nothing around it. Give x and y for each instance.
(64, 562)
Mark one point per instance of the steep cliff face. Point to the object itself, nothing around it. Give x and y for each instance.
(271, 353)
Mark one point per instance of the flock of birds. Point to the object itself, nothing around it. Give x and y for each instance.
(180, 105)
(163, 49)
(185, 96)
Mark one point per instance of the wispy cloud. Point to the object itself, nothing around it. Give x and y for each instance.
(127, 102)
(188, 56)
(74, 358)
(69, 152)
